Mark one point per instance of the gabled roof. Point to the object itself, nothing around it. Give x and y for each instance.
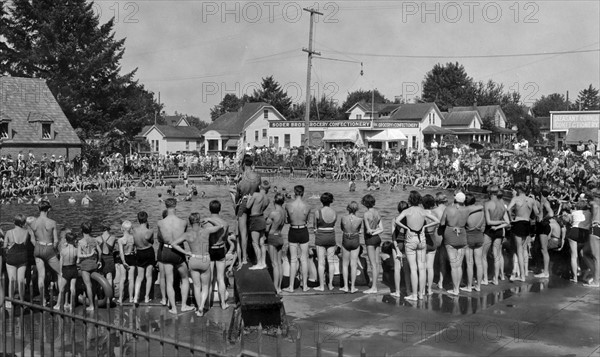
(27, 102)
(233, 123)
(413, 111)
(367, 107)
(460, 118)
(484, 110)
(176, 132)
(174, 120)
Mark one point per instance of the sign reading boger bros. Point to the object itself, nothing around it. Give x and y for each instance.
(563, 121)
(366, 124)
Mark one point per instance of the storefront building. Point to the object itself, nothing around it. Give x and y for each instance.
(571, 127)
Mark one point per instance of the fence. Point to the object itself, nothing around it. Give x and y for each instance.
(30, 329)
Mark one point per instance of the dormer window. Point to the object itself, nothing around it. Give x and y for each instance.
(4, 133)
(46, 131)
(266, 113)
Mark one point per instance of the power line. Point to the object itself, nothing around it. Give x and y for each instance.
(470, 56)
(337, 59)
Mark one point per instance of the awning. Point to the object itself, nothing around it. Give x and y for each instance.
(341, 135)
(387, 135)
(584, 134)
(436, 130)
(231, 143)
(465, 131)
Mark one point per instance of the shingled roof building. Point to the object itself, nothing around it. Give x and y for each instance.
(31, 120)
(466, 125)
(176, 136)
(500, 133)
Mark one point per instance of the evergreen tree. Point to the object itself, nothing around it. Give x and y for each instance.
(63, 42)
(326, 109)
(272, 93)
(588, 99)
(229, 103)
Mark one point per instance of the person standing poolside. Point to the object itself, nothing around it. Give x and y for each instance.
(15, 250)
(275, 223)
(145, 257)
(257, 203)
(324, 225)
(432, 239)
(454, 220)
(46, 242)
(496, 218)
(297, 213)
(68, 262)
(523, 206)
(473, 252)
(543, 230)
(127, 266)
(595, 238)
(399, 239)
(217, 251)
(248, 184)
(373, 227)
(88, 257)
(579, 234)
(106, 242)
(199, 261)
(170, 228)
(415, 242)
(441, 200)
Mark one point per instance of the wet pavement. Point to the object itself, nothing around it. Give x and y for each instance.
(538, 317)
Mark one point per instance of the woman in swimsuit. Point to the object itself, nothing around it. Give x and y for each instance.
(432, 239)
(399, 237)
(350, 226)
(128, 266)
(68, 263)
(579, 233)
(372, 228)
(15, 246)
(325, 239)
(106, 242)
(415, 242)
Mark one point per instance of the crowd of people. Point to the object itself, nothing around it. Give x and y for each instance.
(554, 203)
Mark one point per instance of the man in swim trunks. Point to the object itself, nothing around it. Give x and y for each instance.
(143, 238)
(594, 240)
(275, 223)
(523, 206)
(170, 228)
(247, 185)
(199, 261)
(217, 251)
(454, 221)
(46, 238)
(257, 203)
(297, 213)
(496, 219)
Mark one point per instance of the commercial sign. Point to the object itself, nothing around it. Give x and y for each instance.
(571, 120)
(343, 124)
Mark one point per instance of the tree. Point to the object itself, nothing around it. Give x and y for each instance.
(490, 93)
(362, 95)
(448, 86)
(196, 122)
(588, 99)
(553, 102)
(528, 129)
(63, 42)
(271, 93)
(229, 103)
(326, 109)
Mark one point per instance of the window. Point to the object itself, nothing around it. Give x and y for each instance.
(358, 116)
(266, 113)
(197, 144)
(46, 131)
(4, 131)
(276, 141)
(414, 142)
(264, 133)
(286, 140)
(156, 142)
(255, 135)
(187, 145)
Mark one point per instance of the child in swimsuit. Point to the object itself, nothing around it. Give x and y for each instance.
(15, 246)
(373, 227)
(68, 262)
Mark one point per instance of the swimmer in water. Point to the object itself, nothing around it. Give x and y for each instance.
(160, 198)
(72, 200)
(85, 201)
(121, 198)
(203, 194)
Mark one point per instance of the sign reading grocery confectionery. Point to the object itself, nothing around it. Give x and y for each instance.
(563, 121)
(344, 124)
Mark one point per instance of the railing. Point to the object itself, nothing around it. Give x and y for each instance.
(30, 329)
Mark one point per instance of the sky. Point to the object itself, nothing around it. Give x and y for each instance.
(195, 52)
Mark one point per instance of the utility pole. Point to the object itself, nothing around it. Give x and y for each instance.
(310, 54)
